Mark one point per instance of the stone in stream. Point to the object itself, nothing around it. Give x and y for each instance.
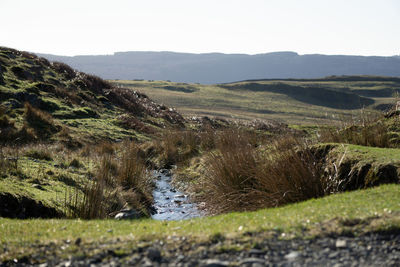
(128, 214)
(165, 172)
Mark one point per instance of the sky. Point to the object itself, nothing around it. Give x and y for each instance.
(92, 27)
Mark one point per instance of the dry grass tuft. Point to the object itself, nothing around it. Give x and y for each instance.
(120, 181)
(370, 130)
(242, 177)
(42, 122)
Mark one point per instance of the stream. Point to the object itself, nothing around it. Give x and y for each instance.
(170, 204)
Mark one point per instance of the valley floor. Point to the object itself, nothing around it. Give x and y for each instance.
(346, 229)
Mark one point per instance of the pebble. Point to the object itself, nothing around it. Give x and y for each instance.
(341, 243)
(215, 263)
(292, 255)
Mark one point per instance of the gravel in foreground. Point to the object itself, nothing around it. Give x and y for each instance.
(373, 249)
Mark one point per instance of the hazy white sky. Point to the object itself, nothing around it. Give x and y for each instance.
(75, 27)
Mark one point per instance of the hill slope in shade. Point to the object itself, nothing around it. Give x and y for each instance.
(220, 68)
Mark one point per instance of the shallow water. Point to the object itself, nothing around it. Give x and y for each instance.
(170, 203)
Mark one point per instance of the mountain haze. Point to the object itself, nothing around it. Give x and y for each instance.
(221, 68)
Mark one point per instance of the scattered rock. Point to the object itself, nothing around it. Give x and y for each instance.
(154, 254)
(251, 261)
(128, 214)
(341, 243)
(292, 255)
(215, 263)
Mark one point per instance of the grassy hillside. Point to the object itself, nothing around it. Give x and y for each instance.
(81, 107)
(293, 101)
(59, 130)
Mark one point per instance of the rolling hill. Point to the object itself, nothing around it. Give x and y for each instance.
(219, 68)
(302, 101)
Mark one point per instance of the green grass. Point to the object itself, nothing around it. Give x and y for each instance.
(365, 153)
(54, 180)
(376, 209)
(246, 104)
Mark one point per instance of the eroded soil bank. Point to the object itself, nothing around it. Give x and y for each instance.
(22, 207)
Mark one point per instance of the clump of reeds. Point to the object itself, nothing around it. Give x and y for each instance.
(241, 176)
(369, 130)
(120, 180)
(177, 146)
(133, 177)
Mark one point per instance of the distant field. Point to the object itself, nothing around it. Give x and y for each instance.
(307, 102)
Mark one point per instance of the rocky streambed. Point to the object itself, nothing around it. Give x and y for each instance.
(169, 203)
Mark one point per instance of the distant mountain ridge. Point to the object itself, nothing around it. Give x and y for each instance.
(222, 68)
